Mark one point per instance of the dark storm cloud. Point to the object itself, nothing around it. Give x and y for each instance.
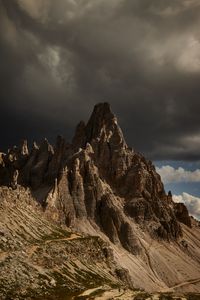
(59, 58)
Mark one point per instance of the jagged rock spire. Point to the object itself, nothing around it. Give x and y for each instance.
(102, 127)
(24, 147)
(101, 121)
(107, 182)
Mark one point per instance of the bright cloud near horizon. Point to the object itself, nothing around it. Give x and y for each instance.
(184, 181)
(170, 174)
(191, 202)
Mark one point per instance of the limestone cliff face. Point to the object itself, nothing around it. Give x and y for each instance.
(99, 178)
(129, 175)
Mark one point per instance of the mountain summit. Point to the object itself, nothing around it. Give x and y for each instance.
(98, 185)
(105, 181)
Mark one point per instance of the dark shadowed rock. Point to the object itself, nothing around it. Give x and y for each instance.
(97, 178)
(182, 214)
(57, 162)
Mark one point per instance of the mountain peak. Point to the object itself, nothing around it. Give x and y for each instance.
(102, 107)
(98, 185)
(101, 116)
(98, 160)
(102, 127)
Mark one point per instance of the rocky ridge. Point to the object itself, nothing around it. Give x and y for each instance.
(100, 186)
(85, 179)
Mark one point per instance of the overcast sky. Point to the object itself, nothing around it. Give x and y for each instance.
(59, 58)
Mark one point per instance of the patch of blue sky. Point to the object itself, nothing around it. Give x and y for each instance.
(178, 188)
